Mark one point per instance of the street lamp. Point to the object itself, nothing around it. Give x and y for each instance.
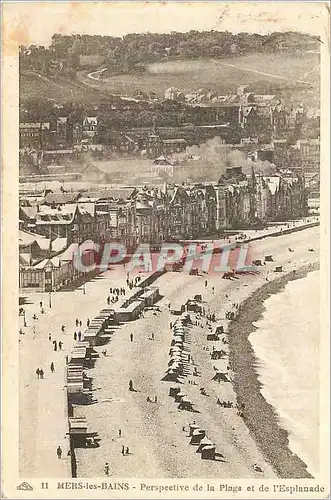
(50, 300)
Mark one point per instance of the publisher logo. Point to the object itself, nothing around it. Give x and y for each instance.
(24, 487)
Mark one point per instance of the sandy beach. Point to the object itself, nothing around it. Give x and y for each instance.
(156, 433)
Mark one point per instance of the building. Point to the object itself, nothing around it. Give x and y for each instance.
(129, 144)
(163, 166)
(34, 135)
(153, 145)
(90, 128)
(170, 146)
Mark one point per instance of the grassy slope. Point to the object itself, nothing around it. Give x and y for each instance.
(34, 85)
(215, 75)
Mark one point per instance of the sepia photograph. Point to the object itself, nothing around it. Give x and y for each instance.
(167, 209)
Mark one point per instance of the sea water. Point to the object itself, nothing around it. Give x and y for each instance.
(286, 345)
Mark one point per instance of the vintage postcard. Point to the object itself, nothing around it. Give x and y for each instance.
(165, 249)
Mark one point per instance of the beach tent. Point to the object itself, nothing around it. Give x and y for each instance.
(173, 391)
(171, 376)
(213, 336)
(220, 377)
(218, 354)
(179, 396)
(208, 452)
(204, 442)
(185, 404)
(219, 329)
(197, 436)
(193, 427)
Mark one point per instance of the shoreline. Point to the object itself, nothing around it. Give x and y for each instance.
(260, 417)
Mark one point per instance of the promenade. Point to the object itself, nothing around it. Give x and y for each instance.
(43, 406)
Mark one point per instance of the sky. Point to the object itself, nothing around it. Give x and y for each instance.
(35, 22)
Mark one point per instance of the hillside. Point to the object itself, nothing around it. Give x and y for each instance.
(265, 72)
(142, 58)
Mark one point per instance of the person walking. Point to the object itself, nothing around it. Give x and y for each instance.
(60, 345)
(206, 284)
(38, 373)
(77, 322)
(119, 432)
(123, 450)
(130, 385)
(49, 336)
(108, 300)
(131, 337)
(40, 304)
(41, 373)
(59, 451)
(52, 367)
(80, 323)
(55, 345)
(88, 323)
(79, 335)
(106, 469)
(75, 336)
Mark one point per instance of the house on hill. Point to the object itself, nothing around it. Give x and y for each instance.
(90, 127)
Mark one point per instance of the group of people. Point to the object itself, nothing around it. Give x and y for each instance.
(55, 343)
(78, 336)
(225, 404)
(117, 291)
(40, 373)
(132, 283)
(112, 300)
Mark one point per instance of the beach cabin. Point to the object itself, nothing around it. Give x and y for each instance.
(185, 404)
(197, 436)
(173, 391)
(171, 376)
(208, 452)
(204, 442)
(219, 329)
(78, 431)
(131, 312)
(192, 428)
(213, 336)
(150, 296)
(193, 305)
(78, 356)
